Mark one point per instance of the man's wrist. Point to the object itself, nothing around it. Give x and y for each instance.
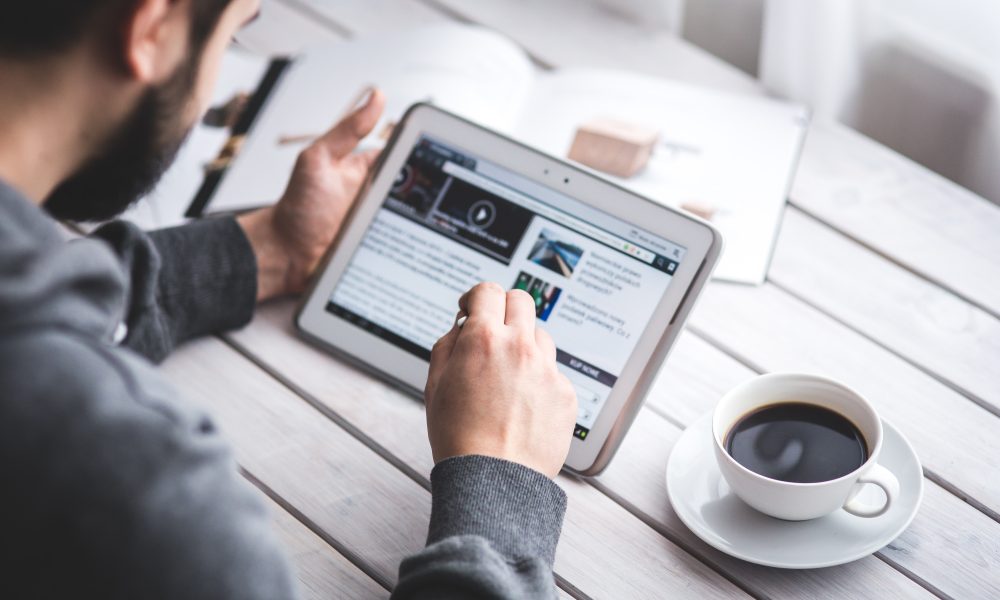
(275, 276)
(518, 510)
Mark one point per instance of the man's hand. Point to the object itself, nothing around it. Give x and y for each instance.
(289, 238)
(493, 387)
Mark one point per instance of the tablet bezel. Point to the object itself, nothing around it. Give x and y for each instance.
(702, 242)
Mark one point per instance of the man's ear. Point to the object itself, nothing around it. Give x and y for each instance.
(155, 38)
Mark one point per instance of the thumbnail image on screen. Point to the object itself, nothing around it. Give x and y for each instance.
(554, 254)
(543, 293)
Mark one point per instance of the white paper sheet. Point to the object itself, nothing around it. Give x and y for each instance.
(736, 153)
(469, 71)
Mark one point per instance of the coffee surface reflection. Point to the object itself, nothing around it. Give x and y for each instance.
(797, 442)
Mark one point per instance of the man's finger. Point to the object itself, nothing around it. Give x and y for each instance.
(369, 157)
(440, 355)
(520, 310)
(545, 344)
(446, 344)
(345, 135)
(485, 302)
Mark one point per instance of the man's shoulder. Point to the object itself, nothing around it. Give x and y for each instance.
(53, 372)
(114, 487)
(72, 400)
(45, 369)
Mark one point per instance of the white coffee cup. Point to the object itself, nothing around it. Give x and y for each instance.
(800, 501)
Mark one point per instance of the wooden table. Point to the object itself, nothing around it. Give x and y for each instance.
(886, 277)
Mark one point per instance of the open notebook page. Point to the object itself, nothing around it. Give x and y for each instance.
(470, 71)
(735, 153)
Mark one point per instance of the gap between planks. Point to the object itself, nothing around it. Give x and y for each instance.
(894, 260)
(363, 565)
(958, 389)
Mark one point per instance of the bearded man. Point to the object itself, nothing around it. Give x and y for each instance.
(112, 485)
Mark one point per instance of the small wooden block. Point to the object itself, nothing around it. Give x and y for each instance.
(700, 209)
(612, 146)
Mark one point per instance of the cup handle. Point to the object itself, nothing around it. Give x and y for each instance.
(882, 477)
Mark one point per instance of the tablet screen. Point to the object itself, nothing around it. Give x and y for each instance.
(452, 220)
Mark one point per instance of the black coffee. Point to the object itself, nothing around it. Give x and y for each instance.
(797, 442)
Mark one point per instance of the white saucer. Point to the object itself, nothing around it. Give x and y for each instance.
(702, 500)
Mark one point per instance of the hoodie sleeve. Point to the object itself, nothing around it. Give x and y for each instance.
(183, 282)
(493, 533)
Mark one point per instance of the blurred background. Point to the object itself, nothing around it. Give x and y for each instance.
(920, 76)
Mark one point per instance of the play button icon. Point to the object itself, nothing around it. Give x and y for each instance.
(482, 214)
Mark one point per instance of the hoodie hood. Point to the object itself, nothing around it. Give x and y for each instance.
(49, 282)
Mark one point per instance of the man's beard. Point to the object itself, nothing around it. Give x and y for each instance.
(135, 157)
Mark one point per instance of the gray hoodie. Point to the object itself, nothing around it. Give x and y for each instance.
(112, 486)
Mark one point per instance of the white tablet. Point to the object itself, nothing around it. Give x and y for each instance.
(452, 204)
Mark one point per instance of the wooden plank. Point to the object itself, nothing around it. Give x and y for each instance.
(700, 373)
(955, 438)
(322, 572)
(945, 335)
(635, 560)
(904, 211)
(950, 545)
(355, 496)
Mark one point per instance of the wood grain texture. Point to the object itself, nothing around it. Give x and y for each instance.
(634, 560)
(352, 493)
(322, 572)
(945, 335)
(916, 217)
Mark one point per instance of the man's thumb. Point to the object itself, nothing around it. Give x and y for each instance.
(343, 138)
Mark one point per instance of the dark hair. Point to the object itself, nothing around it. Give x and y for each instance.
(39, 28)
